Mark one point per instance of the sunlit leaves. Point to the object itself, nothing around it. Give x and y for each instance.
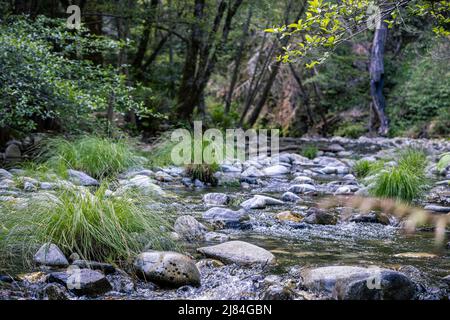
(327, 23)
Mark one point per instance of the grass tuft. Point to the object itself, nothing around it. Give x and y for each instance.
(203, 172)
(406, 181)
(363, 168)
(98, 157)
(310, 152)
(93, 225)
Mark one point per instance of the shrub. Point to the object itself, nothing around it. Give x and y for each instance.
(98, 157)
(353, 131)
(310, 152)
(94, 226)
(40, 80)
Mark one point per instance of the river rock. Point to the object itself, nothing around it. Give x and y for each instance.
(356, 283)
(290, 197)
(13, 152)
(275, 170)
(50, 255)
(289, 216)
(4, 174)
(373, 217)
(278, 292)
(82, 281)
(169, 269)
(343, 190)
(252, 172)
(189, 229)
(82, 178)
(302, 189)
(318, 216)
(438, 209)
(226, 217)
(54, 292)
(239, 252)
(143, 183)
(106, 268)
(216, 199)
(216, 237)
(260, 202)
(334, 148)
(303, 180)
(163, 176)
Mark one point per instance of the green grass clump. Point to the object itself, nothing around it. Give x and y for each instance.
(203, 172)
(161, 155)
(413, 159)
(92, 225)
(310, 152)
(363, 168)
(96, 156)
(406, 181)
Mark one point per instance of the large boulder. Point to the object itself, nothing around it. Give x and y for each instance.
(82, 281)
(226, 218)
(260, 202)
(216, 199)
(169, 269)
(239, 252)
(50, 255)
(82, 179)
(189, 229)
(357, 283)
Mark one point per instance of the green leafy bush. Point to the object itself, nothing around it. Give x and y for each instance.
(41, 80)
(98, 157)
(347, 130)
(419, 100)
(94, 226)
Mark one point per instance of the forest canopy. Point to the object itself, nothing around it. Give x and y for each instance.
(300, 66)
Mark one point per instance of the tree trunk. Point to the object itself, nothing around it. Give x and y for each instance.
(273, 75)
(237, 62)
(186, 99)
(376, 70)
